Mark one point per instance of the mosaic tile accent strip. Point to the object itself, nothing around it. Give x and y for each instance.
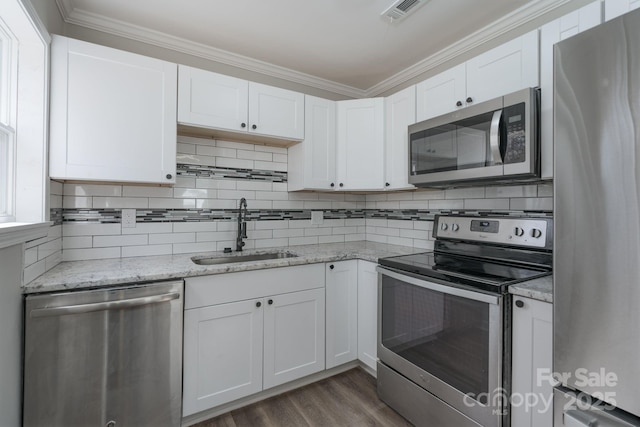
(214, 172)
(107, 216)
(55, 215)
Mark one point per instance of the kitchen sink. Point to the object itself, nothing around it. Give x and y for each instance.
(214, 260)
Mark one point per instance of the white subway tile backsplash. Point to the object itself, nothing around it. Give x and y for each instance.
(289, 232)
(185, 181)
(545, 190)
(34, 270)
(354, 237)
(399, 241)
(511, 191)
(233, 144)
(120, 202)
(416, 204)
(532, 204)
(331, 239)
(148, 250)
(143, 191)
(94, 253)
(255, 155)
(205, 150)
(164, 238)
(254, 185)
(49, 248)
(308, 240)
(428, 195)
(194, 227)
(464, 193)
(487, 204)
(30, 256)
(216, 204)
(272, 224)
(186, 248)
(271, 195)
(92, 190)
(167, 203)
(55, 201)
(325, 231)
(270, 149)
(195, 193)
(272, 166)
(222, 184)
(269, 243)
(183, 148)
(77, 242)
(214, 236)
(56, 188)
(195, 159)
(149, 228)
(127, 240)
(236, 194)
(446, 204)
(77, 202)
(89, 229)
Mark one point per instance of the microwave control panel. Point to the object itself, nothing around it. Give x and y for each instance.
(525, 232)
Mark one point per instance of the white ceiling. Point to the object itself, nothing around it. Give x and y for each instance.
(339, 45)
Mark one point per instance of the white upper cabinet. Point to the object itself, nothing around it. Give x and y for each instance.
(573, 23)
(360, 152)
(212, 100)
(400, 112)
(113, 114)
(312, 163)
(615, 8)
(504, 69)
(216, 101)
(442, 93)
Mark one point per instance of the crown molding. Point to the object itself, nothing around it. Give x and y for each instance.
(496, 29)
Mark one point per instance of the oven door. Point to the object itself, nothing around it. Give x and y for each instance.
(447, 340)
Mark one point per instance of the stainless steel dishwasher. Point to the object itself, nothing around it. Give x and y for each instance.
(106, 357)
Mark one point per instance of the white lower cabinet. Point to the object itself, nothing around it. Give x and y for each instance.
(367, 313)
(342, 312)
(532, 338)
(248, 331)
(294, 327)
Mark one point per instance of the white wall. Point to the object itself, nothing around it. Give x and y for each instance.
(10, 336)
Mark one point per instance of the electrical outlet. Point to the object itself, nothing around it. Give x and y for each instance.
(317, 217)
(128, 218)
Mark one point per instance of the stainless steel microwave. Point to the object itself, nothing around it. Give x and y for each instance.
(496, 141)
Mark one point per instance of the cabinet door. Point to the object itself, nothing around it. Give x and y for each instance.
(367, 313)
(293, 336)
(312, 163)
(360, 152)
(222, 354)
(615, 8)
(550, 34)
(276, 112)
(504, 69)
(400, 112)
(342, 312)
(212, 100)
(532, 359)
(442, 93)
(113, 114)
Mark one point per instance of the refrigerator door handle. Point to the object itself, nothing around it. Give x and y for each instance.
(575, 418)
(99, 306)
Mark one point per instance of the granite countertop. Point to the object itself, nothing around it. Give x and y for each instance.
(540, 289)
(73, 275)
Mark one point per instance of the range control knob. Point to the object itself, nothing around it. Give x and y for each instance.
(455, 227)
(444, 227)
(518, 232)
(535, 233)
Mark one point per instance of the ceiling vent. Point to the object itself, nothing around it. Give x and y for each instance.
(401, 8)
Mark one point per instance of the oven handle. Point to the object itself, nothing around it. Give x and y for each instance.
(494, 138)
(445, 289)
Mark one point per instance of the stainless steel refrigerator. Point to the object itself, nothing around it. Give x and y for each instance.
(596, 346)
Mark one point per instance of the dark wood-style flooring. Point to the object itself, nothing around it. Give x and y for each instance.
(346, 399)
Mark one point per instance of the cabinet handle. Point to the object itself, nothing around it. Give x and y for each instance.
(243, 125)
(341, 185)
(386, 184)
(459, 104)
(169, 176)
(254, 127)
(469, 99)
(258, 304)
(270, 302)
(519, 304)
(332, 266)
(332, 185)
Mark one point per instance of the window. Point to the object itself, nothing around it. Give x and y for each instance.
(24, 85)
(8, 86)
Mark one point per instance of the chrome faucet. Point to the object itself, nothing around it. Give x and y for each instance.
(242, 225)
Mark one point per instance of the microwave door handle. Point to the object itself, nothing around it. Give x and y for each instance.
(494, 138)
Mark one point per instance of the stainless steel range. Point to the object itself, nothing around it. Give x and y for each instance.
(444, 339)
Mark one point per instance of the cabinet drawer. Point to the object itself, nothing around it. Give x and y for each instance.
(222, 288)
